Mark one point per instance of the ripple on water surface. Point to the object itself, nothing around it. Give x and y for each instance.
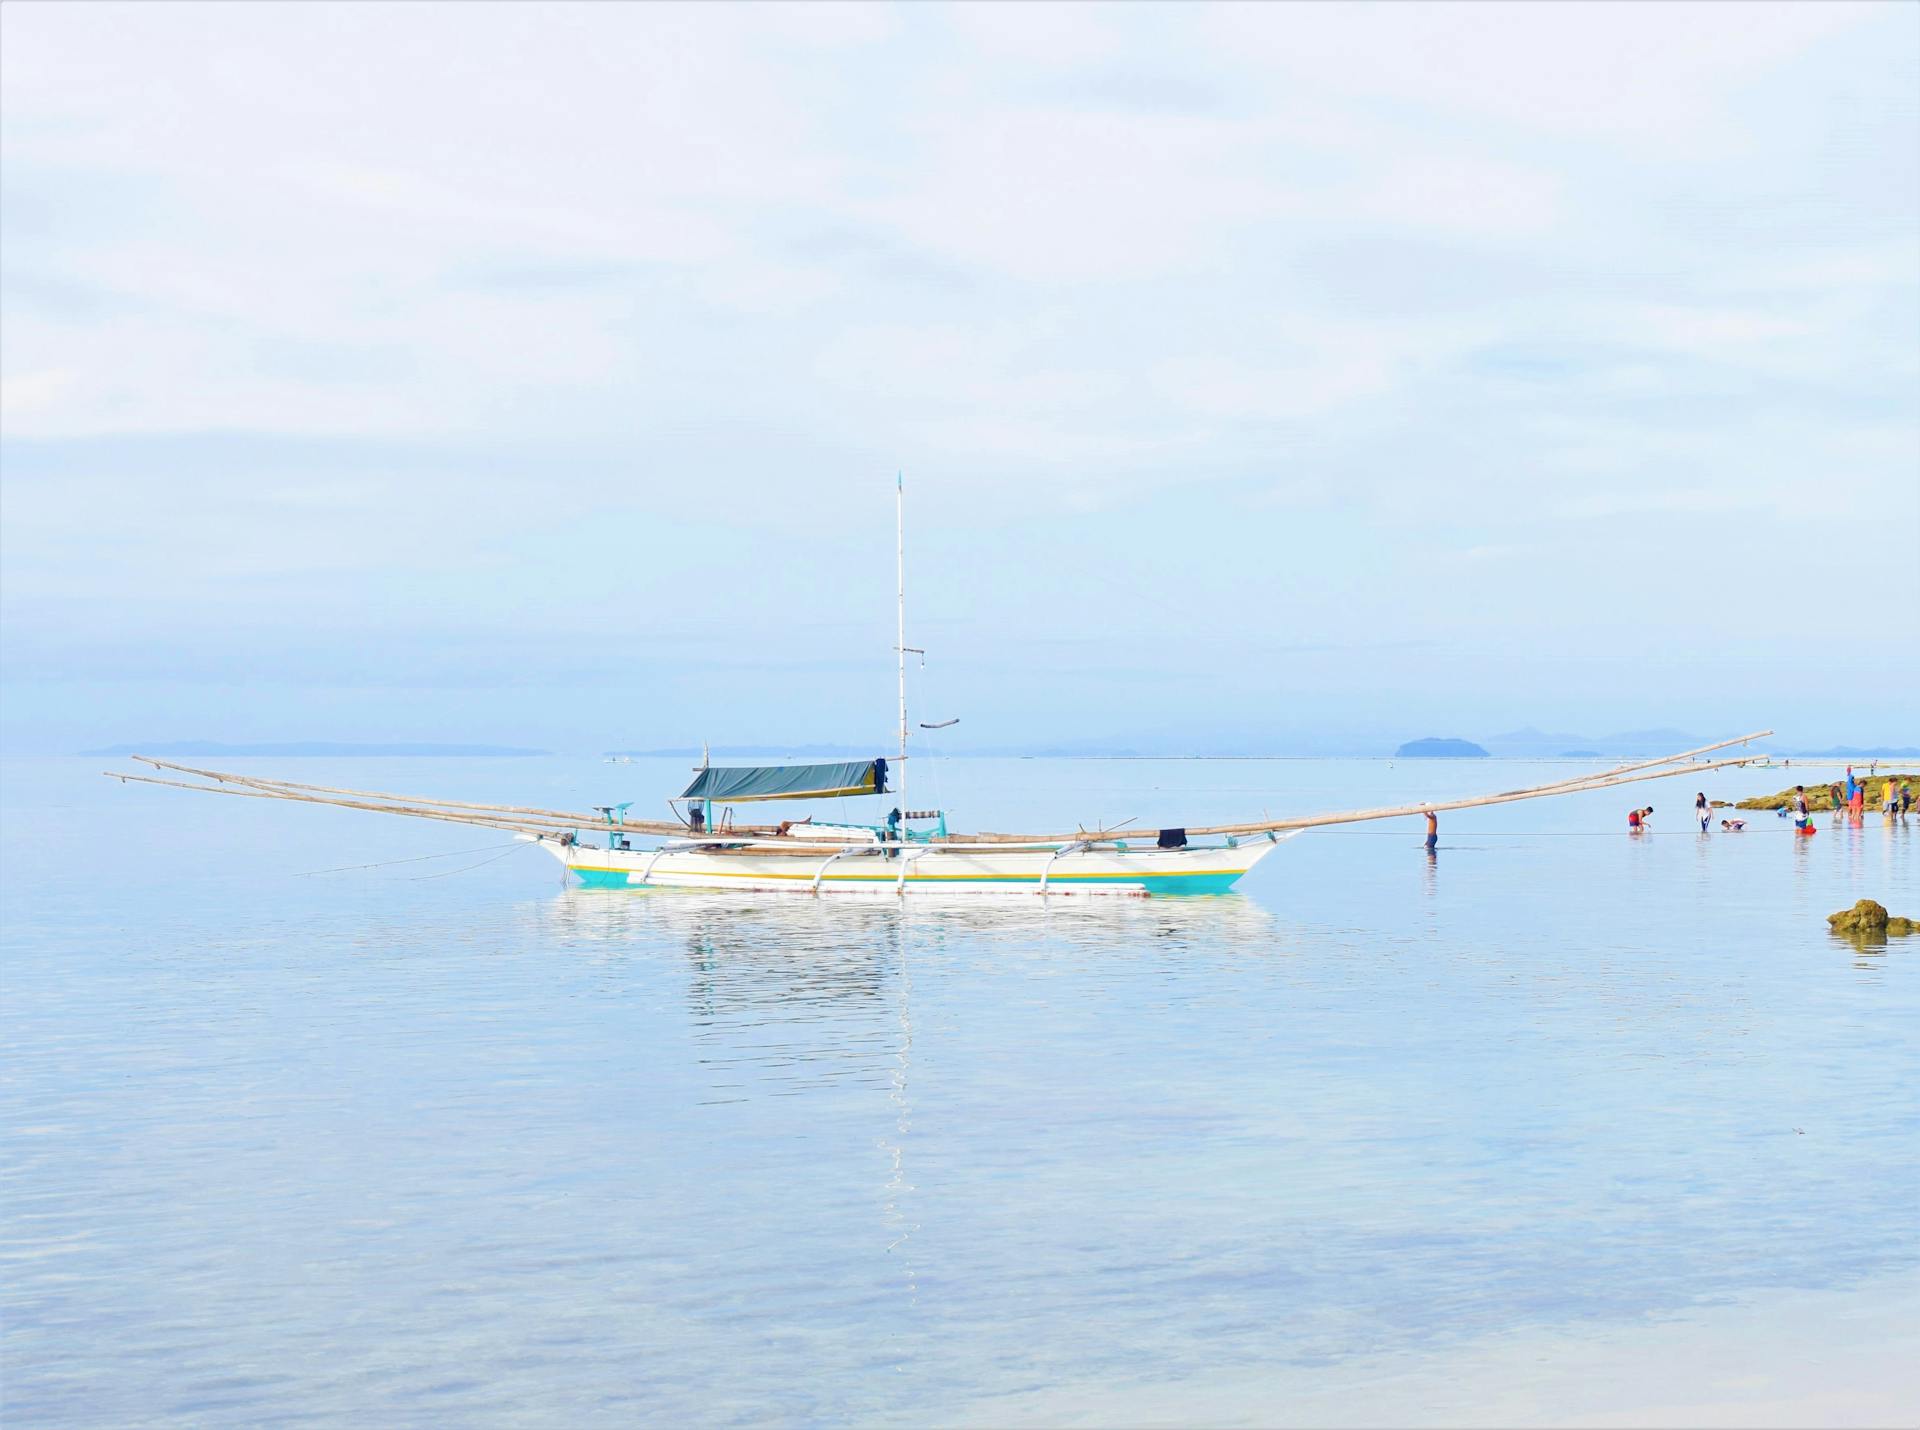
(474, 1149)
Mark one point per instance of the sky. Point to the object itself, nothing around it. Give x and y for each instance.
(1263, 378)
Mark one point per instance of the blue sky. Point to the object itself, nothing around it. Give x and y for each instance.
(1264, 376)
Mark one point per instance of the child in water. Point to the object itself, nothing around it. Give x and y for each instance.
(1733, 825)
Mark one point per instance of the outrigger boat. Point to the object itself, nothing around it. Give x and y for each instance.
(704, 847)
(902, 855)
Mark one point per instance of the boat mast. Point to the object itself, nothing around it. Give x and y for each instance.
(900, 645)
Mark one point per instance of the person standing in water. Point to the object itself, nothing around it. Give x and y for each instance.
(1702, 811)
(1433, 831)
(1802, 816)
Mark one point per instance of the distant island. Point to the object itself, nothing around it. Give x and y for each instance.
(305, 747)
(1436, 749)
(1535, 744)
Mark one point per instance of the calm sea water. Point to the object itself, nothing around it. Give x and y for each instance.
(379, 1147)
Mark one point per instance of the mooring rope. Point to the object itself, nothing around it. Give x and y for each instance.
(517, 844)
(416, 859)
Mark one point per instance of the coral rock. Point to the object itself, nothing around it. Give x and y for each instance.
(1870, 918)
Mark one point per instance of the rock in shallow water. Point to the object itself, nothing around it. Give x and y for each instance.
(1868, 916)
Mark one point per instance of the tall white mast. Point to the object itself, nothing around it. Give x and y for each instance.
(900, 645)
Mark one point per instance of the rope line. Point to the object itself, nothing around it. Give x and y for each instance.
(387, 863)
(464, 867)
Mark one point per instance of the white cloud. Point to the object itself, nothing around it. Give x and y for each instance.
(1460, 276)
(1316, 380)
(1061, 196)
(1454, 194)
(30, 393)
(1047, 33)
(1657, 78)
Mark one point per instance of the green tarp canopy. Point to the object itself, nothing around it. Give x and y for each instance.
(739, 783)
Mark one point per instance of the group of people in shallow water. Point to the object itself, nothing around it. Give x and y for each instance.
(1850, 796)
(1640, 820)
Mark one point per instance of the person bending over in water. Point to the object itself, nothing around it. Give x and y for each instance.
(1733, 826)
(1637, 819)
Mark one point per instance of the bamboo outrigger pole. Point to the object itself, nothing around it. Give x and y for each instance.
(1510, 797)
(449, 816)
(563, 824)
(1607, 779)
(569, 817)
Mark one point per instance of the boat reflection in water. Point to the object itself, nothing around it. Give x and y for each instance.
(785, 994)
(793, 955)
(820, 1000)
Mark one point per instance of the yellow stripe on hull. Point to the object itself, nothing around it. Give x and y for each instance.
(1178, 871)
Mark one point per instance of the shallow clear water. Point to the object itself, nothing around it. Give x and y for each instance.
(402, 1149)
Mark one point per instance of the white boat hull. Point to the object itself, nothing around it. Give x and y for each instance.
(1210, 870)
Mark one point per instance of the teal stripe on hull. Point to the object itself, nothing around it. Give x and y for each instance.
(600, 879)
(1153, 883)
